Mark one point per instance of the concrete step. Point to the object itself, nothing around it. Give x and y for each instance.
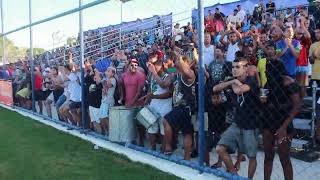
(302, 124)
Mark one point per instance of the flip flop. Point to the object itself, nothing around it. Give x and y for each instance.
(168, 153)
(216, 165)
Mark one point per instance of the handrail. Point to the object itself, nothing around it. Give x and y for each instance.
(97, 2)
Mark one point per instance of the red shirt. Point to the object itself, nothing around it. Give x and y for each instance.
(132, 83)
(37, 82)
(303, 57)
(209, 24)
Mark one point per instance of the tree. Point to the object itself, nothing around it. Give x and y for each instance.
(71, 41)
(13, 53)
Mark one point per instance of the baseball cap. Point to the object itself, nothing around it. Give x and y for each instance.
(134, 61)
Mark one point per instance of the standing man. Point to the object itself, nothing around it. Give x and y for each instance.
(208, 49)
(270, 7)
(241, 134)
(184, 102)
(241, 14)
(142, 57)
(133, 82)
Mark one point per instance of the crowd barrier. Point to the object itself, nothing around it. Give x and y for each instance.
(6, 96)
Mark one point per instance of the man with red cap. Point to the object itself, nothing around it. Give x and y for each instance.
(133, 82)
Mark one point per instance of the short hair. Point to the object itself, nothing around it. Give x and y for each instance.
(240, 59)
(270, 44)
(221, 48)
(113, 70)
(173, 55)
(68, 67)
(231, 32)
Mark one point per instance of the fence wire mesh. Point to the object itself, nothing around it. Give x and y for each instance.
(260, 96)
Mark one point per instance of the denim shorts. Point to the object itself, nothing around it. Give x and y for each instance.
(60, 101)
(246, 141)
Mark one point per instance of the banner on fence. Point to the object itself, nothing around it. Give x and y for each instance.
(6, 96)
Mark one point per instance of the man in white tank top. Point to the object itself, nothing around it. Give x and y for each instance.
(234, 37)
(160, 99)
(208, 49)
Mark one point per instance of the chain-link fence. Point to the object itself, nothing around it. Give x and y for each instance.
(254, 107)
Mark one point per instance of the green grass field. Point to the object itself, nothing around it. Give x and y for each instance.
(30, 150)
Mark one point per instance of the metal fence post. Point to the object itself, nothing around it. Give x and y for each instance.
(83, 108)
(201, 84)
(3, 36)
(313, 118)
(31, 58)
(101, 44)
(64, 54)
(121, 25)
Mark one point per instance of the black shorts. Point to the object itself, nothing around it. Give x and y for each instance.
(74, 105)
(56, 94)
(46, 94)
(39, 95)
(180, 119)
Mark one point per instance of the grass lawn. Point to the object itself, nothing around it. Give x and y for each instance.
(30, 150)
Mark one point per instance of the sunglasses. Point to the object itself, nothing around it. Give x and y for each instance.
(134, 65)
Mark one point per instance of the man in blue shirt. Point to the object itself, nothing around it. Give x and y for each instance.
(288, 50)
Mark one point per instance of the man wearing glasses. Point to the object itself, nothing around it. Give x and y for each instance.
(133, 82)
(242, 134)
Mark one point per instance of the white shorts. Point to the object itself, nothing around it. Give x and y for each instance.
(154, 129)
(162, 111)
(104, 110)
(94, 114)
(50, 97)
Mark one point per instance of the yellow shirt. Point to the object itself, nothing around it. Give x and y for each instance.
(262, 71)
(25, 93)
(315, 52)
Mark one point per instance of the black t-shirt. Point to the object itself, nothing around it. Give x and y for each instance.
(270, 7)
(218, 71)
(315, 12)
(94, 95)
(246, 106)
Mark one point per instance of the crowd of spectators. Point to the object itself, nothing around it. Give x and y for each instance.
(257, 73)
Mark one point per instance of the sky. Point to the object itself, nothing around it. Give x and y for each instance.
(54, 33)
